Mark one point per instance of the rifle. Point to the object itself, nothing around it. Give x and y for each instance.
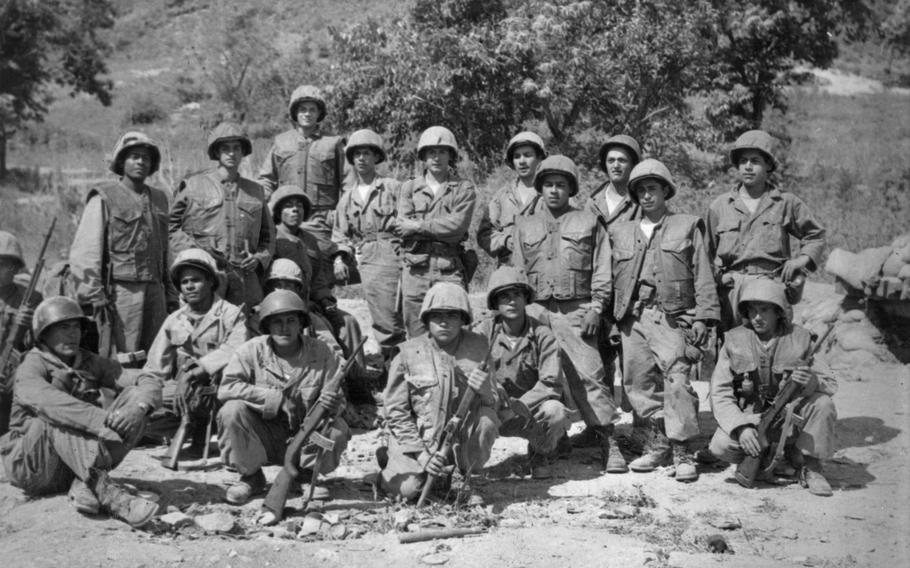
(202, 401)
(455, 423)
(278, 494)
(8, 356)
(780, 414)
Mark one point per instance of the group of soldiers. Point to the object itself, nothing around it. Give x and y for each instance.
(225, 287)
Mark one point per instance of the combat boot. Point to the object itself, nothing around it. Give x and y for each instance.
(539, 465)
(83, 499)
(684, 462)
(587, 438)
(611, 459)
(135, 511)
(244, 490)
(812, 478)
(657, 451)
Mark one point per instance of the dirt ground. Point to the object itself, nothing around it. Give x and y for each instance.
(578, 518)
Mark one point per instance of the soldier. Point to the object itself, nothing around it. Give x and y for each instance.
(567, 258)
(427, 379)
(751, 226)
(524, 363)
(119, 255)
(304, 157)
(434, 212)
(494, 235)
(60, 437)
(271, 383)
(194, 344)
(12, 294)
(363, 230)
(224, 214)
(754, 360)
(663, 300)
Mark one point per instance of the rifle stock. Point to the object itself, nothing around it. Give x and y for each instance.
(173, 451)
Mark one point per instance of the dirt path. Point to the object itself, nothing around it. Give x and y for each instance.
(579, 518)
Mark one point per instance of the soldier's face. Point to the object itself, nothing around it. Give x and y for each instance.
(195, 286)
(8, 269)
(230, 154)
(364, 161)
(619, 165)
(652, 195)
(444, 326)
(307, 114)
(763, 317)
(753, 168)
(510, 303)
(437, 159)
(292, 211)
(284, 329)
(525, 159)
(137, 163)
(63, 338)
(556, 190)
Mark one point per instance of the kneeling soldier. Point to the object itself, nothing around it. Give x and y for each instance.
(749, 372)
(268, 387)
(524, 362)
(59, 435)
(427, 381)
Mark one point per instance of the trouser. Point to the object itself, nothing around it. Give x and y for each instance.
(417, 280)
(550, 422)
(580, 360)
(248, 442)
(140, 309)
(320, 224)
(656, 372)
(404, 474)
(165, 420)
(45, 458)
(380, 289)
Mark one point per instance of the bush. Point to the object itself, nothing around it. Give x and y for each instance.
(145, 108)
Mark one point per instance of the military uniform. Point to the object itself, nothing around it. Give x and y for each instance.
(496, 226)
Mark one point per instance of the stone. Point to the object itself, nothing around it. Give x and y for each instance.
(216, 522)
(310, 526)
(402, 518)
(176, 520)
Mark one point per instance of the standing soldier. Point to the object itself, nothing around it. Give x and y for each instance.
(363, 230)
(119, 255)
(303, 156)
(567, 258)
(750, 227)
(269, 386)
(427, 381)
(664, 300)
(59, 436)
(225, 215)
(12, 294)
(494, 235)
(434, 213)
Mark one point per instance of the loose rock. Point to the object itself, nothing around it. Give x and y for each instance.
(216, 522)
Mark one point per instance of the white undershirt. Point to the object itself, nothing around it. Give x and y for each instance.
(647, 227)
(363, 191)
(434, 185)
(612, 198)
(751, 203)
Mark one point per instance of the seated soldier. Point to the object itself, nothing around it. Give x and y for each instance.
(267, 389)
(524, 362)
(59, 435)
(755, 359)
(194, 344)
(427, 380)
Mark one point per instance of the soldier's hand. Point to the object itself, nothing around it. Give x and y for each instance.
(477, 378)
(407, 227)
(126, 420)
(590, 324)
(436, 464)
(290, 408)
(748, 441)
(248, 264)
(699, 333)
(806, 378)
(341, 269)
(330, 401)
(793, 266)
(109, 436)
(23, 318)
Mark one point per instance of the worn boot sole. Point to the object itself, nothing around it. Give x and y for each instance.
(83, 499)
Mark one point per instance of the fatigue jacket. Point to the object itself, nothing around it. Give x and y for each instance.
(256, 376)
(223, 218)
(301, 247)
(362, 228)
(530, 371)
(743, 358)
(425, 386)
(45, 388)
(315, 164)
(681, 270)
(210, 342)
(738, 240)
(122, 236)
(11, 297)
(627, 210)
(566, 258)
(444, 220)
(498, 222)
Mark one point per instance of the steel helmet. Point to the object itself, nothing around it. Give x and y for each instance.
(286, 192)
(10, 248)
(650, 168)
(622, 141)
(281, 302)
(765, 290)
(131, 140)
(225, 132)
(285, 269)
(755, 140)
(55, 310)
(557, 164)
(526, 138)
(306, 93)
(505, 278)
(365, 138)
(446, 296)
(196, 258)
(437, 136)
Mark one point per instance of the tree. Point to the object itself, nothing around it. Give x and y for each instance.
(45, 43)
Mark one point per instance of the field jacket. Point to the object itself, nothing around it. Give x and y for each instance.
(498, 221)
(301, 247)
(363, 228)
(315, 164)
(628, 210)
(444, 220)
